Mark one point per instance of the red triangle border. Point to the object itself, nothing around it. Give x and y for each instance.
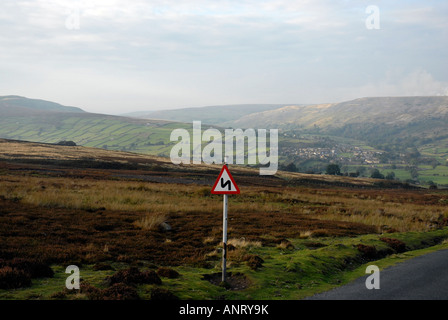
(237, 191)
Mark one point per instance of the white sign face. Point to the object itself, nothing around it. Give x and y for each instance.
(225, 183)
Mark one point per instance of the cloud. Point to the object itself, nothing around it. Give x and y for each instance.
(426, 15)
(419, 82)
(194, 52)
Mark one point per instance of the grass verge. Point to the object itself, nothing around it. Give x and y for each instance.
(287, 272)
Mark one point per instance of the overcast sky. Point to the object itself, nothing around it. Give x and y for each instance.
(120, 56)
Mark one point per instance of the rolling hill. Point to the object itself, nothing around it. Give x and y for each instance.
(393, 111)
(405, 134)
(414, 121)
(43, 121)
(397, 125)
(223, 116)
(16, 105)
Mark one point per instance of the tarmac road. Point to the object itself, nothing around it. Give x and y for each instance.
(420, 278)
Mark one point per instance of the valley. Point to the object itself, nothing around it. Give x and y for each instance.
(390, 135)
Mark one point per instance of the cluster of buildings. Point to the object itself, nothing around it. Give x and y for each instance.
(338, 153)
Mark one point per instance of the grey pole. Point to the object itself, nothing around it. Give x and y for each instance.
(224, 234)
(224, 239)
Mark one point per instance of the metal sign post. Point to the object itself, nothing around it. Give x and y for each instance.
(225, 185)
(224, 239)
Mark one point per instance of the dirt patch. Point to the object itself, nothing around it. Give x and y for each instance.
(234, 281)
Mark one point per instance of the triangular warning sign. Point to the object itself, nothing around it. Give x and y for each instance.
(225, 183)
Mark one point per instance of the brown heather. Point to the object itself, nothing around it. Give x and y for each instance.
(81, 215)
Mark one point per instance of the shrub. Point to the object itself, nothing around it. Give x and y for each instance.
(286, 245)
(58, 295)
(134, 276)
(320, 233)
(91, 292)
(168, 273)
(151, 221)
(376, 174)
(253, 261)
(34, 268)
(395, 244)
(66, 143)
(368, 252)
(333, 169)
(305, 234)
(14, 278)
(120, 291)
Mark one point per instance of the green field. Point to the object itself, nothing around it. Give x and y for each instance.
(438, 151)
(108, 132)
(426, 173)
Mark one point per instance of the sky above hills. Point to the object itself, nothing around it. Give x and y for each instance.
(121, 56)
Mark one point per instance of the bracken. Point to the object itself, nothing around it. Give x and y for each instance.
(397, 245)
(13, 278)
(133, 276)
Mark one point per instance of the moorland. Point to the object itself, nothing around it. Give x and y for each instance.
(139, 227)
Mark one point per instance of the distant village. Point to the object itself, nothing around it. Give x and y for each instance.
(345, 154)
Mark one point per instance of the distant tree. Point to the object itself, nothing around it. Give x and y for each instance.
(333, 169)
(376, 174)
(414, 172)
(434, 163)
(432, 185)
(66, 143)
(291, 167)
(414, 153)
(390, 176)
(361, 170)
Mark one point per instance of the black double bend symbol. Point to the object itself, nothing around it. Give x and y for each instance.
(227, 183)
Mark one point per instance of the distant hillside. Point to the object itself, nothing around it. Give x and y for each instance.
(44, 121)
(407, 135)
(223, 115)
(30, 155)
(380, 110)
(383, 120)
(16, 105)
(286, 116)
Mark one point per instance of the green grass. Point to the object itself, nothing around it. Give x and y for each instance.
(295, 274)
(93, 131)
(286, 273)
(438, 175)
